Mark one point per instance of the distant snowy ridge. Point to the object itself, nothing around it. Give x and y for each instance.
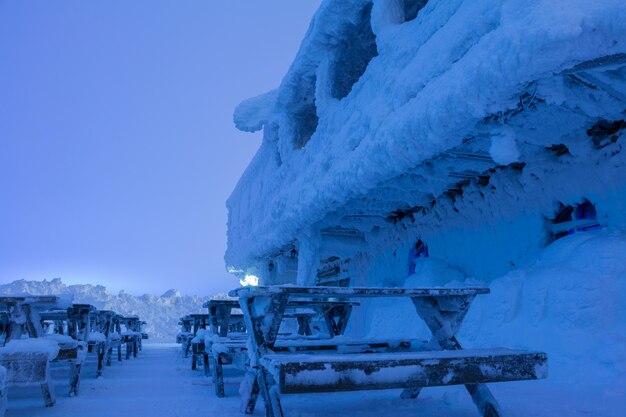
(160, 312)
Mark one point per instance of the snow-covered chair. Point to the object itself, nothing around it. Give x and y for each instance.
(27, 363)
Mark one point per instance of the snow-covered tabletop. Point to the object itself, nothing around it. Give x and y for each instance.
(343, 292)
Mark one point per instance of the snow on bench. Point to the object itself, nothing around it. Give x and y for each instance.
(73, 353)
(198, 349)
(307, 373)
(27, 363)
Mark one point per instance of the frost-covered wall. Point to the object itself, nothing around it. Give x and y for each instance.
(462, 123)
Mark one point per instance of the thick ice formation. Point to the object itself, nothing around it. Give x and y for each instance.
(378, 90)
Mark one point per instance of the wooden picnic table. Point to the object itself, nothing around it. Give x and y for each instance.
(23, 319)
(231, 342)
(70, 328)
(132, 335)
(444, 362)
(23, 312)
(107, 322)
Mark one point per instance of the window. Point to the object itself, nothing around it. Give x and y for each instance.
(571, 219)
(332, 272)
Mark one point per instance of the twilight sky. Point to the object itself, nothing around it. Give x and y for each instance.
(117, 147)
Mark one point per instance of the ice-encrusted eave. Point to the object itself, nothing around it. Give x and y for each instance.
(412, 103)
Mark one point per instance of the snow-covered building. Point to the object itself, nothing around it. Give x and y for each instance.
(473, 132)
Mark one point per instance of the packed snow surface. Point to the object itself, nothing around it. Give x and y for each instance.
(160, 383)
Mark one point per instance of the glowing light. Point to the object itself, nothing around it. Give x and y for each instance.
(249, 280)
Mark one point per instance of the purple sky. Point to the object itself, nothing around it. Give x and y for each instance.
(117, 147)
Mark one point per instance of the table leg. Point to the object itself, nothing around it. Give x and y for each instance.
(304, 325)
(224, 319)
(249, 391)
(213, 320)
(263, 316)
(443, 316)
(410, 393)
(343, 318)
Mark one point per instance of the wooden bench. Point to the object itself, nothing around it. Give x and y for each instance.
(27, 369)
(185, 335)
(439, 361)
(306, 373)
(105, 338)
(27, 361)
(132, 335)
(198, 322)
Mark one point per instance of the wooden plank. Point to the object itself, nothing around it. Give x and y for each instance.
(348, 345)
(298, 376)
(229, 303)
(343, 292)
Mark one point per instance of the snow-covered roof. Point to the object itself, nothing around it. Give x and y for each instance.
(381, 89)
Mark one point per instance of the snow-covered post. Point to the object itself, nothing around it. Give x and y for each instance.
(308, 257)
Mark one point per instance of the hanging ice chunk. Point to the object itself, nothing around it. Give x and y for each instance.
(503, 149)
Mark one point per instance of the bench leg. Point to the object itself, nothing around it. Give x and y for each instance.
(410, 393)
(484, 400)
(194, 360)
(100, 361)
(270, 393)
(109, 356)
(128, 350)
(119, 353)
(74, 378)
(48, 393)
(249, 391)
(218, 378)
(205, 362)
(135, 344)
(443, 317)
(3, 400)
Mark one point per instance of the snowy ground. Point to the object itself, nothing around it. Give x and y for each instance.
(161, 383)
